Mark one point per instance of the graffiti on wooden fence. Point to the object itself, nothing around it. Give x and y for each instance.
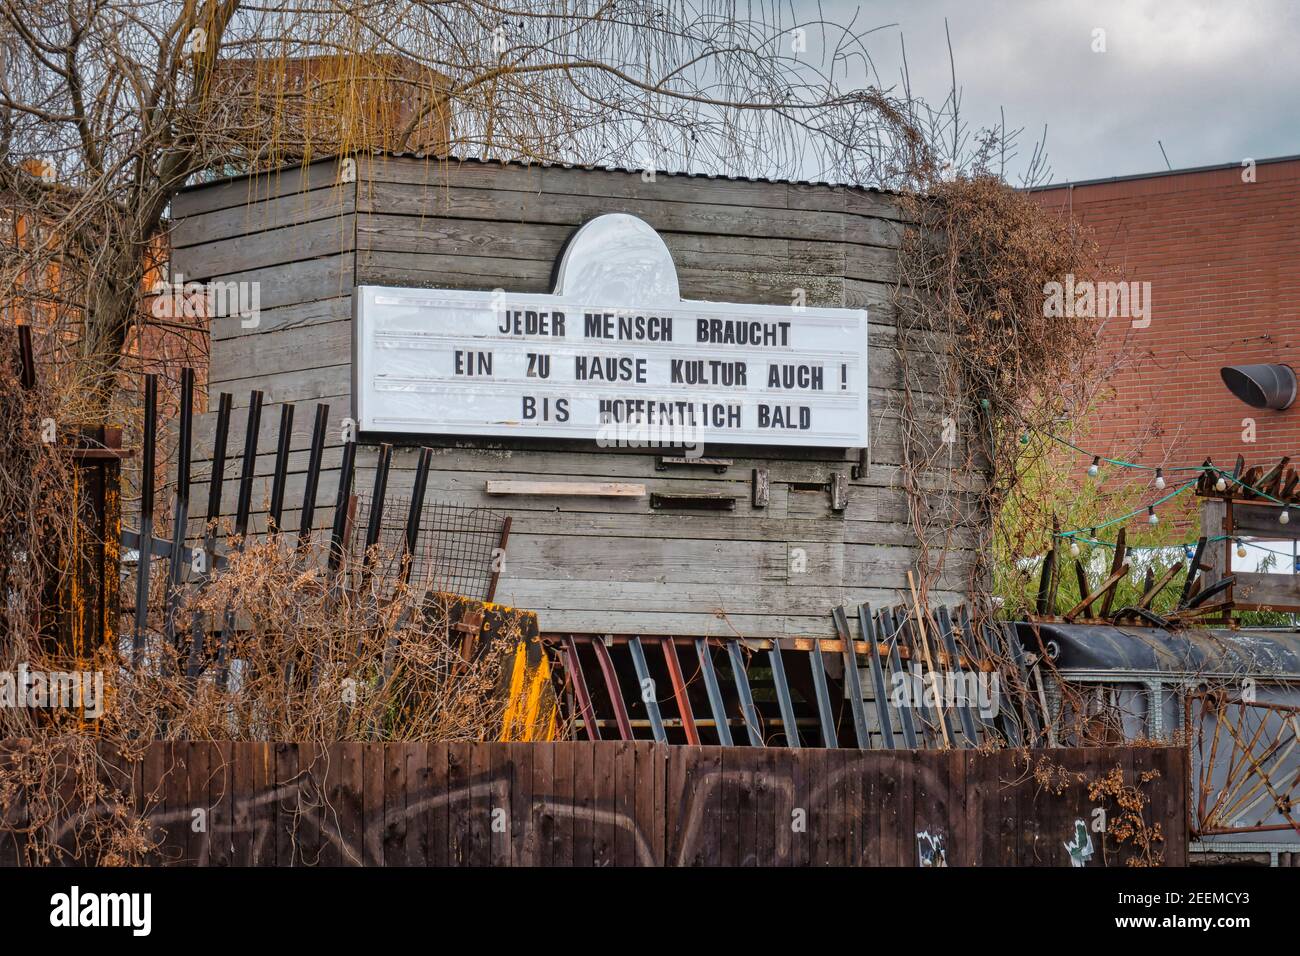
(624, 804)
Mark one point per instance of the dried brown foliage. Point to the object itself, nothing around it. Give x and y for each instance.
(970, 305)
(1126, 823)
(312, 656)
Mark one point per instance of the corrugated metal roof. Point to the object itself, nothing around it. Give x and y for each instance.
(544, 164)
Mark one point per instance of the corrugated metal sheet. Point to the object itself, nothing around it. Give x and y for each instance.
(1106, 647)
(465, 160)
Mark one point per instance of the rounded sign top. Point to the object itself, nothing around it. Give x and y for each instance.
(618, 258)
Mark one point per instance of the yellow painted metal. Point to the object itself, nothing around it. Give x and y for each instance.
(530, 715)
(541, 680)
(517, 672)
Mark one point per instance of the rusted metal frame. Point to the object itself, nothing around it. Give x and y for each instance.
(674, 665)
(1005, 636)
(931, 658)
(26, 358)
(374, 529)
(1206, 768)
(747, 710)
(573, 667)
(611, 685)
(1278, 800)
(825, 712)
(242, 507)
(375, 525)
(275, 514)
(415, 512)
(890, 630)
(216, 482)
(977, 653)
(410, 541)
(784, 702)
(498, 560)
(964, 712)
(1245, 750)
(852, 679)
(144, 548)
(1275, 753)
(1105, 588)
(915, 674)
(181, 511)
(714, 692)
(342, 501)
(317, 453)
(867, 627)
(1220, 724)
(649, 691)
(1257, 705)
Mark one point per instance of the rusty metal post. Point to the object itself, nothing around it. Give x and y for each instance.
(679, 690)
(498, 560)
(649, 695)
(611, 685)
(181, 512)
(714, 691)
(573, 667)
(852, 679)
(313, 474)
(145, 544)
(274, 523)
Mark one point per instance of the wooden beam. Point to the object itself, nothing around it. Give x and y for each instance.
(1087, 601)
(575, 489)
(1154, 589)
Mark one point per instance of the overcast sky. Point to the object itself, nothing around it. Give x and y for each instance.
(1216, 81)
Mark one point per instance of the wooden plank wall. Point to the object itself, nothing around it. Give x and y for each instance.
(585, 564)
(632, 804)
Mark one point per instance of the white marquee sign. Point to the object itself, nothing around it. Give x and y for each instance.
(614, 345)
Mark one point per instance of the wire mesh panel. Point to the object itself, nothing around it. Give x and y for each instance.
(456, 550)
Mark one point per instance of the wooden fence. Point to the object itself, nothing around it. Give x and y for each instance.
(633, 803)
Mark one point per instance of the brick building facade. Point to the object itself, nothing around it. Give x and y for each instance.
(1220, 247)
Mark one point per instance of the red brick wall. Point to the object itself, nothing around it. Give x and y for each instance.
(1223, 260)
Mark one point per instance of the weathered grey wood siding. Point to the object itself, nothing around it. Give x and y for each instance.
(585, 564)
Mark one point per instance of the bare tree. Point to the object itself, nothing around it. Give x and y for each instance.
(108, 106)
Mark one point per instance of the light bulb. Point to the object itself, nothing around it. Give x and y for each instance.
(1284, 517)
(1095, 467)
(1189, 553)
(1241, 550)
(1160, 480)
(1152, 517)
(1074, 549)
(1220, 485)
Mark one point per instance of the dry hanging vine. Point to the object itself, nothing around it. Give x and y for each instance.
(981, 363)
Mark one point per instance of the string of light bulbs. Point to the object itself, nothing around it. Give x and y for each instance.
(1221, 484)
